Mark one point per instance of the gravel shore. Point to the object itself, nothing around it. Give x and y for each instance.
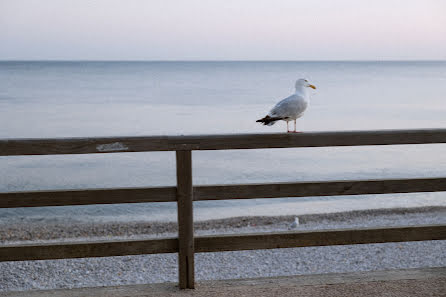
(69, 273)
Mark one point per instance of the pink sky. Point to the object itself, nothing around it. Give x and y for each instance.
(223, 30)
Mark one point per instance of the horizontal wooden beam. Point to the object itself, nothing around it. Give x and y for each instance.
(88, 196)
(220, 243)
(322, 188)
(52, 146)
(47, 251)
(221, 192)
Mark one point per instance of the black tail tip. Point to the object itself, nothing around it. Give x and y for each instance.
(263, 121)
(266, 120)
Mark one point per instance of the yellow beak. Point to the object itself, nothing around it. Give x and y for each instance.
(311, 86)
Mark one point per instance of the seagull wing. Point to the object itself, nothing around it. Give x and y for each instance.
(288, 107)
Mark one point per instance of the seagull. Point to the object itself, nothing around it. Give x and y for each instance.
(295, 223)
(290, 108)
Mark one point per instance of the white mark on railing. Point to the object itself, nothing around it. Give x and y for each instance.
(111, 147)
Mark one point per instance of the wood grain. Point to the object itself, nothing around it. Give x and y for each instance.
(185, 220)
(51, 146)
(87, 196)
(220, 243)
(220, 192)
(46, 251)
(319, 188)
(186, 245)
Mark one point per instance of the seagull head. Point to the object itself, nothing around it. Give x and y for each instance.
(303, 83)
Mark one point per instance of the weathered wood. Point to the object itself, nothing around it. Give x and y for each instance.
(221, 243)
(52, 146)
(322, 188)
(184, 193)
(185, 220)
(219, 192)
(88, 196)
(46, 251)
(77, 145)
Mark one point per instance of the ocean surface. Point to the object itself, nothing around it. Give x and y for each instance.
(76, 99)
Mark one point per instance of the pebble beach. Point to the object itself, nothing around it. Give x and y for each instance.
(158, 268)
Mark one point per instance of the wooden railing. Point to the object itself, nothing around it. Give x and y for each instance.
(185, 193)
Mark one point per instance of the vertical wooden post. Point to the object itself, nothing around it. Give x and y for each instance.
(185, 220)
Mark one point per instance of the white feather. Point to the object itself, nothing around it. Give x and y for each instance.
(292, 107)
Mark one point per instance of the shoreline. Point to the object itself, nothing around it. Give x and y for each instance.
(161, 268)
(69, 230)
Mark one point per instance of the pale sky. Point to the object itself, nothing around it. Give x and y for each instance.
(223, 29)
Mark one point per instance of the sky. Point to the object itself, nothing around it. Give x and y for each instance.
(222, 30)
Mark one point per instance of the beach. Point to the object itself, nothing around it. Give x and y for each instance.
(132, 127)
(157, 268)
(45, 99)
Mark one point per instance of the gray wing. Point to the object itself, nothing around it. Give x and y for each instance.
(289, 107)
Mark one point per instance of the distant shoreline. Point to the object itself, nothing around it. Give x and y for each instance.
(67, 230)
(223, 61)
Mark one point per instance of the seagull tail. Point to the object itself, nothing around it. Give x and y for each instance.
(269, 121)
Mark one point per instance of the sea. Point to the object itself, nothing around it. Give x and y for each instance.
(40, 99)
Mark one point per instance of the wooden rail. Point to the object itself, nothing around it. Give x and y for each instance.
(57, 146)
(185, 193)
(220, 243)
(221, 192)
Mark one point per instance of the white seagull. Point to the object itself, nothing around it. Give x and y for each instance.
(290, 108)
(294, 224)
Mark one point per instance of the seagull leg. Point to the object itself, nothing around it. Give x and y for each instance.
(295, 128)
(287, 128)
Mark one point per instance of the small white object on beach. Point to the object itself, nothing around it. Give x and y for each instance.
(295, 223)
(290, 108)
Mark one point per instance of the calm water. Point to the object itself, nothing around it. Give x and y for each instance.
(63, 99)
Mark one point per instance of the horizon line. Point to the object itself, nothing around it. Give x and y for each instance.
(166, 60)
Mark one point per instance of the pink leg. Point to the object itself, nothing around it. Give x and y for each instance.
(295, 128)
(287, 128)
